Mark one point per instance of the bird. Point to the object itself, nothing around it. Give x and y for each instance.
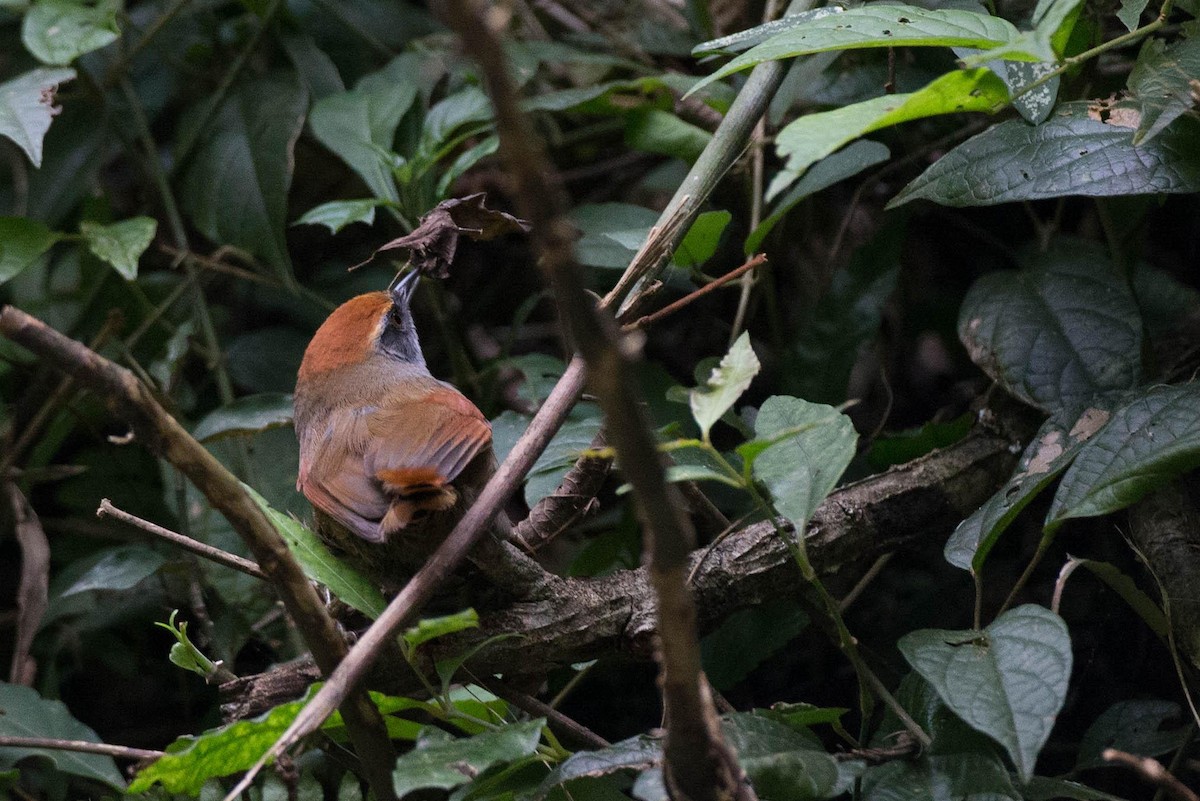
(390, 457)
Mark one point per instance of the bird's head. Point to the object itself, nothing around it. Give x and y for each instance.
(367, 325)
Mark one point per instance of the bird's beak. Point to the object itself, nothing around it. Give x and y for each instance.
(402, 288)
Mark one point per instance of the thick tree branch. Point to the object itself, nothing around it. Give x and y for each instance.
(130, 400)
(574, 620)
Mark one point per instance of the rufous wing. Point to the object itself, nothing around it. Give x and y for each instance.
(418, 447)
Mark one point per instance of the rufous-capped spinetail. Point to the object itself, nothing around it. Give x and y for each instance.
(390, 456)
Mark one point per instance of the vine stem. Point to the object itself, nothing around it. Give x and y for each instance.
(1112, 44)
(846, 641)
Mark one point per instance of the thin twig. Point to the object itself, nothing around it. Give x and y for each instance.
(187, 543)
(1152, 771)
(872, 572)
(80, 746)
(692, 297)
(906, 747)
(557, 720)
(216, 265)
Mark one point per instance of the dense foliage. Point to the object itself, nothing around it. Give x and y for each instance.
(1012, 253)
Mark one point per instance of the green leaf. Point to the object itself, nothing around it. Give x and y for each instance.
(904, 446)
(725, 385)
(277, 375)
(655, 131)
(246, 415)
(1035, 105)
(701, 241)
(184, 653)
(1136, 727)
(1051, 18)
(1060, 331)
(596, 95)
(782, 763)
(120, 568)
(236, 183)
(443, 763)
(337, 214)
(649, 786)
(802, 715)
(1148, 442)
(876, 25)
(467, 107)
(742, 40)
(574, 437)
(27, 107)
(360, 125)
(431, 628)
(23, 713)
(191, 761)
(314, 66)
(541, 373)
(1044, 788)
(60, 31)
(120, 244)
(1008, 681)
(801, 469)
(465, 161)
(22, 242)
(1048, 454)
(1069, 154)
(596, 221)
(637, 753)
(697, 472)
(745, 639)
(1131, 12)
(949, 777)
(847, 162)
(321, 565)
(1166, 303)
(814, 136)
(1162, 82)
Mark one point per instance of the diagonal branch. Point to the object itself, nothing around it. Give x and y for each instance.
(129, 399)
(697, 763)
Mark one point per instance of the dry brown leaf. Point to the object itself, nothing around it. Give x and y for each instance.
(432, 245)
